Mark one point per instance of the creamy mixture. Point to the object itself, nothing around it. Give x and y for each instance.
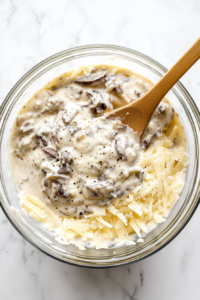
(68, 155)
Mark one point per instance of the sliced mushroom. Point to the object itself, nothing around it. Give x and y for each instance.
(100, 103)
(118, 193)
(112, 134)
(139, 175)
(119, 126)
(44, 141)
(86, 104)
(40, 134)
(59, 189)
(138, 93)
(54, 103)
(121, 145)
(51, 151)
(162, 117)
(56, 189)
(66, 169)
(54, 177)
(69, 115)
(42, 131)
(99, 190)
(27, 126)
(103, 176)
(81, 136)
(27, 142)
(37, 140)
(164, 111)
(117, 89)
(146, 143)
(68, 211)
(114, 82)
(135, 178)
(24, 117)
(73, 130)
(161, 110)
(99, 109)
(55, 134)
(65, 157)
(91, 78)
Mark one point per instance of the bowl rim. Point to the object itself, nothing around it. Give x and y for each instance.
(94, 47)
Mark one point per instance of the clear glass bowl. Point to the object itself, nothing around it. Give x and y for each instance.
(35, 79)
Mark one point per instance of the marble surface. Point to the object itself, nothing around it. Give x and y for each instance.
(31, 31)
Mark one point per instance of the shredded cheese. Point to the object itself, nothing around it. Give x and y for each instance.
(147, 205)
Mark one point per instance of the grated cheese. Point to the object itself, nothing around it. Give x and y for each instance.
(134, 215)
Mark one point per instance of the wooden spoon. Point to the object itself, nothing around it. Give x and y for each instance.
(137, 114)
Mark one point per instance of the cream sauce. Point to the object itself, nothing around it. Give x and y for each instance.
(65, 151)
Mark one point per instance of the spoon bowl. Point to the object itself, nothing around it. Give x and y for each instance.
(137, 114)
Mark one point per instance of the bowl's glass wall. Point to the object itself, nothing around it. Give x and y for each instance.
(36, 79)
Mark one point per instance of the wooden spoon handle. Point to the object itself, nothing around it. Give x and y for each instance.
(174, 74)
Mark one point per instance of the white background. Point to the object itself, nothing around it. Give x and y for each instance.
(33, 30)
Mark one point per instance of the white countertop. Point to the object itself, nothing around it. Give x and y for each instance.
(35, 29)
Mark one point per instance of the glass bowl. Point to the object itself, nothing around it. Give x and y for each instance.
(35, 79)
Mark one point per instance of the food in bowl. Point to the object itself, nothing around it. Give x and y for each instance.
(87, 178)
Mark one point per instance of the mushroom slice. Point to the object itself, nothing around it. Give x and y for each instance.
(114, 82)
(51, 151)
(27, 126)
(100, 103)
(41, 134)
(55, 103)
(101, 177)
(164, 111)
(118, 193)
(147, 142)
(138, 173)
(66, 169)
(91, 78)
(162, 117)
(69, 114)
(138, 93)
(27, 142)
(44, 141)
(59, 189)
(54, 177)
(24, 117)
(161, 110)
(121, 145)
(100, 189)
(112, 134)
(42, 131)
(117, 89)
(73, 130)
(66, 157)
(135, 178)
